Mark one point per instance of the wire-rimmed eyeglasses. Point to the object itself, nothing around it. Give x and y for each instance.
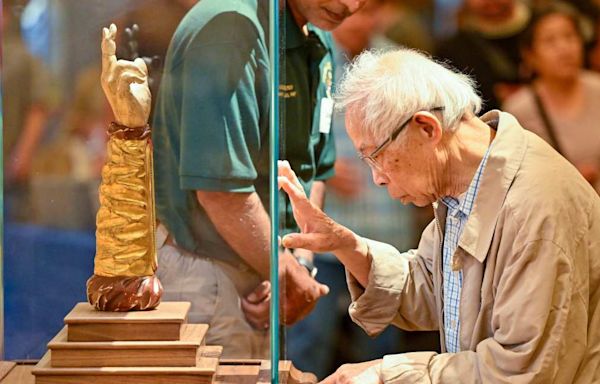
(370, 159)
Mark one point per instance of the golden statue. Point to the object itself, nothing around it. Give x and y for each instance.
(125, 263)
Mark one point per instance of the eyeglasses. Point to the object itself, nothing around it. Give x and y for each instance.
(370, 159)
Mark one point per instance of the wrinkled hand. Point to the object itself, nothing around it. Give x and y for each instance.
(125, 84)
(320, 233)
(299, 291)
(347, 182)
(368, 372)
(256, 306)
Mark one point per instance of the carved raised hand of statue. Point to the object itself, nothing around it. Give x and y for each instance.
(125, 84)
(125, 260)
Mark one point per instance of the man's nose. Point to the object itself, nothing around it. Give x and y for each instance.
(379, 178)
(353, 5)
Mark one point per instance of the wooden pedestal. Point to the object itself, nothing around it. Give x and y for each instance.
(178, 353)
(163, 323)
(150, 347)
(202, 372)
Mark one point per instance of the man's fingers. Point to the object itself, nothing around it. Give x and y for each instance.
(260, 293)
(315, 242)
(258, 312)
(285, 169)
(293, 241)
(319, 290)
(328, 380)
(297, 196)
(289, 188)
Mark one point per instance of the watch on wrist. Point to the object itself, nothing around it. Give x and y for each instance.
(308, 264)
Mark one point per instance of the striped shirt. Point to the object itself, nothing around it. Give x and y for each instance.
(456, 218)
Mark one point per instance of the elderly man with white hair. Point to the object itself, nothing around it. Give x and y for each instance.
(508, 271)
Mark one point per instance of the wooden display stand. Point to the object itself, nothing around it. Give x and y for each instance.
(150, 347)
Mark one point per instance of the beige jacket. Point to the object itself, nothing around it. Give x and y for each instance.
(530, 255)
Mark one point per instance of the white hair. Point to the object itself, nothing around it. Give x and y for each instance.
(383, 88)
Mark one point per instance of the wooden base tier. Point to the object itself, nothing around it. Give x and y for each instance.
(178, 353)
(146, 347)
(163, 323)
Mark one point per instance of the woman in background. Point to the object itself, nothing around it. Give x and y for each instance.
(562, 103)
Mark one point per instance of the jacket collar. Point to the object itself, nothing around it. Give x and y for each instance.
(505, 158)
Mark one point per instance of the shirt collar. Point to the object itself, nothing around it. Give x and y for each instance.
(295, 37)
(464, 203)
(504, 161)
(453, 204)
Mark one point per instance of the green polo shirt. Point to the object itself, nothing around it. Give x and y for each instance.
(211, 123)
(306, 78)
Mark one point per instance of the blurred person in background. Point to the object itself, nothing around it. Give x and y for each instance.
(70, 164)
(28, 99)
(486, 46)
(79, 150)
(86, 124)
(408, 23)
(594, 52)
(561, 103)
(365, 208)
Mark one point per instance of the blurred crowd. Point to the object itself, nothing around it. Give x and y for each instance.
(539, 60)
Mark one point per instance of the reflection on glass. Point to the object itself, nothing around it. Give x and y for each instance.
(211, 147)
(275, 46)
(30, 97)
(307, 145)
(209, 76)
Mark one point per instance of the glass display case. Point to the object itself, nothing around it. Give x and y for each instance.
(84, 195)
(179, 187)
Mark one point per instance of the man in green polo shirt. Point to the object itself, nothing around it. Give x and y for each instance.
(212, 161)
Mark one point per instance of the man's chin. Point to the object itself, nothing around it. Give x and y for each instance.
(326, 20)
(404, 199)
(419, 202)
(325, 25)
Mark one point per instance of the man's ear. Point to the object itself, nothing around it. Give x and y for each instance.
(429, 127)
